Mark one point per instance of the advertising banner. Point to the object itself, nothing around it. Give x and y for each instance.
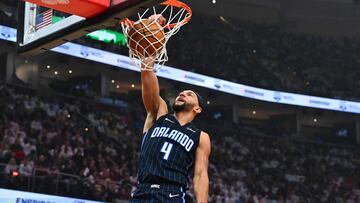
(13, 196)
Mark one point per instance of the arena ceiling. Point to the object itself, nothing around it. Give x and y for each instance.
(323, 17)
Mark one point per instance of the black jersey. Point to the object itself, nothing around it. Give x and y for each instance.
(168, 152)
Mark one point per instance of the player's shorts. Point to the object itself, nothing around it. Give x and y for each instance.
(158, 193)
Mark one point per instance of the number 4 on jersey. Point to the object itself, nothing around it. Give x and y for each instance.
(166, 149)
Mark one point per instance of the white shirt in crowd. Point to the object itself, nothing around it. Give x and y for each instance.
(66, 152)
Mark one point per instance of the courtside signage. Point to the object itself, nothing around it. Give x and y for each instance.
(13, 196)
(179, 75)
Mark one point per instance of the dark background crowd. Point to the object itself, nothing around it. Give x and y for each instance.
(8, 15)
(263, 55)
(268, 56)
(57, 137)
(74, 146)
(60, 146)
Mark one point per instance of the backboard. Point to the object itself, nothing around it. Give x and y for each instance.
(45, 24)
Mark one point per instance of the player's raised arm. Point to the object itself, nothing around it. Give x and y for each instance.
(155, 106)
(201, 177)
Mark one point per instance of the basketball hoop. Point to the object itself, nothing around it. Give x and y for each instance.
(176, 14)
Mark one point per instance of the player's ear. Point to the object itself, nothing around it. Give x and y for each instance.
(198, 109)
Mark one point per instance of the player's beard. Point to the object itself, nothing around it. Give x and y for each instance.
(180, 107)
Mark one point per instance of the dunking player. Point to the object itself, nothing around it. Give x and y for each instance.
(172, 148)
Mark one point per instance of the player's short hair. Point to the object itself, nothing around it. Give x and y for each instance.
(201, 101)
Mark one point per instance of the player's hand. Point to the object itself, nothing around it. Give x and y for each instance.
(158, 18)
(148, 63)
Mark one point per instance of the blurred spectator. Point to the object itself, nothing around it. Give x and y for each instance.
(94, 153)
(11, 166)
(263, 55)
(26, 167)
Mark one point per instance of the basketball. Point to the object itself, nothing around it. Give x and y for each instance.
(146, 38)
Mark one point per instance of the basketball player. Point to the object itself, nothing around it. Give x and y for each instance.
(172, 147)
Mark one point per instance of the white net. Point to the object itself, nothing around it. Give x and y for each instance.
(149, 33)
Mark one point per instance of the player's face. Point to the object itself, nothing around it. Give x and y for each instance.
(186, 101)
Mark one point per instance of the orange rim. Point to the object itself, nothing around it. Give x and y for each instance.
(174, 3)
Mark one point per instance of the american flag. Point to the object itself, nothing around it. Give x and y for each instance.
(44, 19)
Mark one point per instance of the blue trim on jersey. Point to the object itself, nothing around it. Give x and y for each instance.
(183, 197)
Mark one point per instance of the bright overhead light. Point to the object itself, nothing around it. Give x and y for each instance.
(214, 1)
(112, 81)
(48, 66)
(70, 71)
(315, 120)
(254, 112)
(118, 86)
(55, 72)
(208, 102)
(133, 85)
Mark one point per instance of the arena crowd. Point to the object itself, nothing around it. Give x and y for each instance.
(93, 150)
(77, 147)
(263, 55)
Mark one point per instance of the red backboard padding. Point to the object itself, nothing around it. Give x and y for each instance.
(83, 8)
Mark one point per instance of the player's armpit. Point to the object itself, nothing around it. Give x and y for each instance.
(163, 109)
(152, 117)
(149, 121)
(201, 178)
